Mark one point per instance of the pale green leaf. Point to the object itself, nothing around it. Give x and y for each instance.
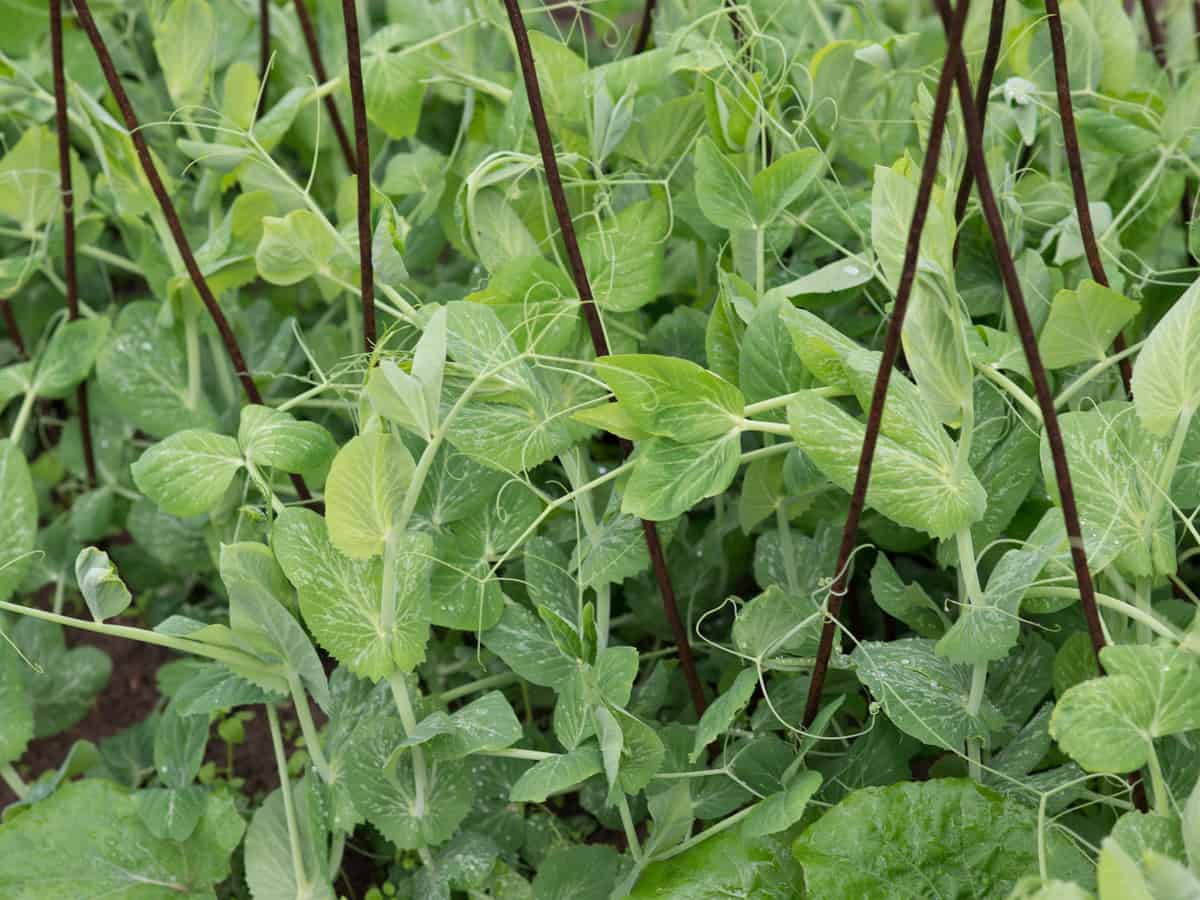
(188, 473)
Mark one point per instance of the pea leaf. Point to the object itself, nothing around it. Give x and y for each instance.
(294, 247)
(725, 197)
(102, 588)
(342, 598)
(87, 837)
(948, 834)
(18, 517)
(923, 694)
(1082, 324)
(906, 487)
(143, 372)
(188, 473)
(365, 492)
(670, 478)
(277, 440)
(624, 256)
(548, 777)
(69, 356)
(671, 397)
(1166, 375)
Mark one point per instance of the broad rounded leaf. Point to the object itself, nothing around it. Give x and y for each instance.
(365, 491)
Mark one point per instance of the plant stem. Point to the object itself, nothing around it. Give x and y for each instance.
(504, 679)
(760, 259)
(1128, 610)
(312, 737)
(387, 595)
(15, 783)
(22, 419)
(362, 166)
(289, 810)
(970, 577)
(404, 706)
(519, 753)
(1162, 797)
(1142, 587)
(182, 645)
(1011, 388)
(635, 846)
(723, 825)
(753, 409)
(1084, 379)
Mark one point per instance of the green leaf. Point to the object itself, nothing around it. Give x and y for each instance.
(69, 356)
(379, 775)
(18, 517)
(947, 835)
(171, 813)
(907, 419)
(103, 590)
(16, 703)
(269, 869)
(721, 714)
(143, 372)
(670, 478)
(923, 694)
(1114, 468)
(781, 811)
(179, 742)
(1166, 375)
(1082, 324)
(821, 347)
(365, 492)
(577, 873)
(68, 681)
(548, 777)
(87, 840)
(725, 198)
(487, 723)
(188, 473)
(908, 488)
(672, 397)
(730, 864)
(907, 602)
(275, 439)
(1108, 724)
(624, 256)
(294, 247)
(341, 598)
(784, 182)
(393, 87)
(185, 42)
(527, 648)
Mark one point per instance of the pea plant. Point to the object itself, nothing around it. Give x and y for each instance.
(700, 449)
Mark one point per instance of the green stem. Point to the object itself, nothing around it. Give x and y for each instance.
(1128, 610)
(970, 577)
(15, 783)
(1142, 588)
(22, 419)
(289, 810)
(224, 371)
(1069, 392)
(726, 823)
(312, 738)
(387, 596)
(635, 846)
(1158, 784)
(519, 753)
(229, 657)
(482, 684)
(191, 339)
(1012, 389)
(765, 427)
(760, 260)
(409, 719)
(753, 409)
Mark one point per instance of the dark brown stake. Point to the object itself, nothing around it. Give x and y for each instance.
(1012, 285)
(168, 210)
(264, 52)
(891, 348)
(363, 168)
(318, 64)
(68, 204)
(991, 56)
(643, 35)
(11, 326)
(1158, 40)
(1066, 112)
(595, 327)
